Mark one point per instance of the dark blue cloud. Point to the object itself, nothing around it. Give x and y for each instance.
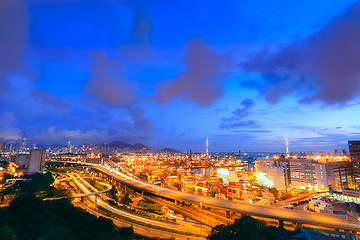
(203, 76)
(238, 118)
(325, 64)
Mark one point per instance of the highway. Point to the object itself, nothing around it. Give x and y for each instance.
(317, 219)
(80, 183)
(97, 192)
(140, 229)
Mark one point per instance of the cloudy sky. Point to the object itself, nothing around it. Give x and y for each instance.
(171, 73)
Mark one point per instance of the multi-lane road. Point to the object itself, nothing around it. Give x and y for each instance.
(296, 216)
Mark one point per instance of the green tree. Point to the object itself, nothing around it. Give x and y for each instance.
(39, 182)
(58, 233)
(4, 164)
(244, 228)
(6, 233)
(113, 193)
(151, 206)
(275, 192)
(126, 199)
(5, 177)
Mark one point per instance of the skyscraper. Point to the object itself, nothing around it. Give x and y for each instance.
(354, 148)
(69, 147)
(207, 146)
(23, 143)
(287, 145)
(36, 161)
(11, 146)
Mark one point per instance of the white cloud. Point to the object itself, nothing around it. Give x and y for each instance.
(8, 132)
(53, 134)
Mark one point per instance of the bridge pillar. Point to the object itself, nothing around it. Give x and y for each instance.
(185, 218)
(281, 223)
(95, 200)
(298, 225)
(229, 214)
(175, 202)
(142, 194)
(125, 189)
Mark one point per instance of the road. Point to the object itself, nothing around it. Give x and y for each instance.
(140, 229)
(88, 194)
(317, 219)
(267, 197)
(124, 213)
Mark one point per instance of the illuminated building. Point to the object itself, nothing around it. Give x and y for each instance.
(69, 147)
(276, 177)
(306, 172)
(320, 206)
(339, 175)
(354, 193)
(227, 175)
(23, 143)
(268, 174)
(36, 161)
(21, 159)
(315, 170)
(284, 162)
(354, 147)
(262, 163)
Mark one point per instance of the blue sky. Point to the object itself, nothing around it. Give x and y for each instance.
(170, 74)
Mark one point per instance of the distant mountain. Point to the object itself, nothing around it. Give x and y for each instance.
(44, 146)
(140, 146)
(168, 150)
(118, 145)
(124, 145)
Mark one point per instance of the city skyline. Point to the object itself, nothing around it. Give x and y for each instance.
(164, 74)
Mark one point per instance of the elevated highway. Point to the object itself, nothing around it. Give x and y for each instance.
(88, 194)
(296, 216)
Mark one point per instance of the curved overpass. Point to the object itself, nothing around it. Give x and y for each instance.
(108, 188)
(318, 219)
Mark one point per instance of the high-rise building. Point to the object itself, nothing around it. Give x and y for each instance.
(284, 162)
(11, 146)
(23, 143)
(69, 147)
(308, 172)
(1, 146)
(339, 175)
(21, 159)
(276, 177)
(269, 174)
(36, 161)
(354, 148)
(207, 146)
(262, 163)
